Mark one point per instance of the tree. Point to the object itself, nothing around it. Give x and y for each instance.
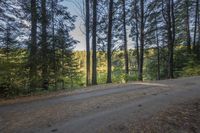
(195, 23)
(87, 26)
(137, 35)
(68, 70)
(7, 83)
(198, 42)
(109, 47)
(125, 40)
(94, 43)
(44, 45)
(182, 15)
(53, 13)
(134, 22)
(170, 26)
(33, 46)
(187, 25)
(171, 36)
(141, 57)
(158, 48)
(10, 63)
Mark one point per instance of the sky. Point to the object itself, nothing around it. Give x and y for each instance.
(77, 33)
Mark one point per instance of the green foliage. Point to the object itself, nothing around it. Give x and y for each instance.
(191, 69)
(7, 89)
(13, 75)
(184, 64)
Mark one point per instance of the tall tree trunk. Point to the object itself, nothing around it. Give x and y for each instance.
(195, 27)
(87, 26)
(33, 46)
(173, 23)
(62, 60)
(137, 35)
(141, 57)
(125, 40)
(7, 41)
(109, 47)
(187, 24)
(173, 39)
(53, 41)
(170, 39)
(94, 34)
(198, 42)
(158, 50)
(44, 47)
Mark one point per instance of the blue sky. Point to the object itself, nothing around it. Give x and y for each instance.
(77, 33)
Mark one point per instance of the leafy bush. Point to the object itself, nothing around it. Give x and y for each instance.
(192, 69)
(7, 90)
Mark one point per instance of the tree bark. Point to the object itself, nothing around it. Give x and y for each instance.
(94, 60)
(187, 24)
(137, 35)
(109, 47)
(158, 50)
(198, 42)
(173, 23)
(53, 41)
(87, 26)
(125, 41)
(33, 46)
(44, 47)
(141, 57)
(170, 39)
(195, 27)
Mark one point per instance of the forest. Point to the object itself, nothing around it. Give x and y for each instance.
(125, 40)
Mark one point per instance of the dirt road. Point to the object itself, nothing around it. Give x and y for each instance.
(102, 109)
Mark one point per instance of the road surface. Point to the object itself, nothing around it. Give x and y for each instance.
(99, 110)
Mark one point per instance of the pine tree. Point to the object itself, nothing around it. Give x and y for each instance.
(94, 44)
(196, 23)
(44, 46)
(125, 40)
(67, 67)
(8, 63)
(87, 26)
(109, 47)
(141, 57)
(33, 46)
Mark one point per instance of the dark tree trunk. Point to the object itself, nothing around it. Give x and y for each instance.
(173, 23)
(137, 36)
(158, 50)
(33, 46)
(125, 40)
(44, 47)
(62, 63)
(170, 39)
(53, 42)
(7, 41)
(173, 39)
(198, 42)
(141, 57)
(87, 26)
(187, 24)
(195, 27)
(109, 47)
(94, 34)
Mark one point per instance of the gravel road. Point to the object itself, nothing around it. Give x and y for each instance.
(99, 110)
